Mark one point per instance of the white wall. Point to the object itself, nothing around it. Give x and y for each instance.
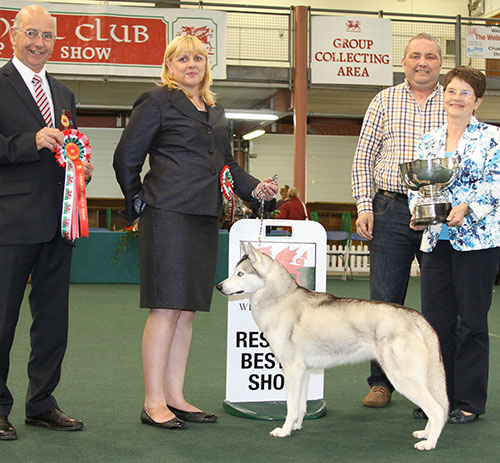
(103, 143)
(329, 161)
(491, 7)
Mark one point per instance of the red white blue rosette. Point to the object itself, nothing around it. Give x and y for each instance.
(76, 148)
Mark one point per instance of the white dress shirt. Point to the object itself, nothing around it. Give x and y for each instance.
(27, 75)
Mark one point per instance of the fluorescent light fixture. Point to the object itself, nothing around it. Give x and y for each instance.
(254, 134)
(252, 115)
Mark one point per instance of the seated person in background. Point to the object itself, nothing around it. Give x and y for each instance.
(294, 208)
(284, 196)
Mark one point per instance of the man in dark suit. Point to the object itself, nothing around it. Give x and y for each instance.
(31, 193)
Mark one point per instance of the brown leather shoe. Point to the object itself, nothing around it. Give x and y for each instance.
(378, 397)
(55, 419)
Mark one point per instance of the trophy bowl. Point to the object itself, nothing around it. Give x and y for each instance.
(429, 177)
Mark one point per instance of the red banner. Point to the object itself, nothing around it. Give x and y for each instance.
(92, 38)
(111, 40)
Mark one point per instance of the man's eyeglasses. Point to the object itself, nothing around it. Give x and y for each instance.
(33, 34)
(461, 93)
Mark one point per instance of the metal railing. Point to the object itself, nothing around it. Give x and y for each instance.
(262, 35)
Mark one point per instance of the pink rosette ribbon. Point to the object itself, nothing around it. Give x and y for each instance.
(74, 219)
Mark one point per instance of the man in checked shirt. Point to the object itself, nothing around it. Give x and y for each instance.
(393, 125)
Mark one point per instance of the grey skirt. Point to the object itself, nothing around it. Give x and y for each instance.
(178, 259)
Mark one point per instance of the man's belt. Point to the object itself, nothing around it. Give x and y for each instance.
(391, 194)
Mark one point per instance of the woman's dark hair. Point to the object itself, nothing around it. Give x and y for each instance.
(476, 79)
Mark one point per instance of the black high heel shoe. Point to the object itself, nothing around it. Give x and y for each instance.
(195, 417)
(174, 423)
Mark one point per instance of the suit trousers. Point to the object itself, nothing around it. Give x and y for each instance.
(392, 250)
(49, 265)
(458, 285)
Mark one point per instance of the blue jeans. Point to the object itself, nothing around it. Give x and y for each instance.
(392, 250)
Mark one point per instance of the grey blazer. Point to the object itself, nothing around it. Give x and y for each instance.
(31, 181)
(187, 152)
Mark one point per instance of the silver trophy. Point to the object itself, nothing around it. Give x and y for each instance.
(429, 177)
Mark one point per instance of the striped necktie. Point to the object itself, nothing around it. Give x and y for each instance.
(41, 100)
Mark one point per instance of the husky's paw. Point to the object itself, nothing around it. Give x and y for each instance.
(425, 445)
(420, 434)
(279, 432)
(297, 427)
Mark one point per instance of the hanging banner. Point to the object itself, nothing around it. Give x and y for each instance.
(113, 40)
(353, 51)
(482, 42)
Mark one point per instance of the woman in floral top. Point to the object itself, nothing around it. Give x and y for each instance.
(461, 257)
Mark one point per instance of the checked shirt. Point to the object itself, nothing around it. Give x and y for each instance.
(393, 125)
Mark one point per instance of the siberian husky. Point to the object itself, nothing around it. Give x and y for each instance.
(308, 330)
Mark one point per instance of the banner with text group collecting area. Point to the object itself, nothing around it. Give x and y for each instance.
(351, 50)
(120, 41)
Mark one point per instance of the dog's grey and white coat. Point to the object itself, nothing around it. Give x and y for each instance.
(308, 330)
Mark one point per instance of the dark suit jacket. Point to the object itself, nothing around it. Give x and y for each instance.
(187, 152)
(31, 181)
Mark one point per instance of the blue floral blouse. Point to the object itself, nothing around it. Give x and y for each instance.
(477, 184)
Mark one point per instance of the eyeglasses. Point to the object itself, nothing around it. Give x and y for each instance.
(33, 34)
(461, 93)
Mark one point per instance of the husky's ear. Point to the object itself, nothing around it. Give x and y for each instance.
(254, 254)
(243, 248)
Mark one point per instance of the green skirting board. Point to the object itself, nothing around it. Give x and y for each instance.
(94, 259)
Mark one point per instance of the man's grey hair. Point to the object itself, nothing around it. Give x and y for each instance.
(19, 16)
(425, 36)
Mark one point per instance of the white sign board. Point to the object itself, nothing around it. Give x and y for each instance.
(253, 373)
(351, 50)
(482, 42)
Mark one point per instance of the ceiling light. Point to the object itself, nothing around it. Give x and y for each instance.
(252, 115)
(253, 134)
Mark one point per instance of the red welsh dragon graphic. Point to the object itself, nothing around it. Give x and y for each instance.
(353, 25)
(289, 259)
(204, 33)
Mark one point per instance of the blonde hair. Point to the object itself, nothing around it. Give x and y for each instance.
(293, 193)
(187, 44)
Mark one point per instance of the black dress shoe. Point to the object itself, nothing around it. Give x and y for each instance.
(419, 414)
(174, 423)
(7, 431)
(459, 417)
(55, 419)
(195, 417)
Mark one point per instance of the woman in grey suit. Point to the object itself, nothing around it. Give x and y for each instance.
(179, 201)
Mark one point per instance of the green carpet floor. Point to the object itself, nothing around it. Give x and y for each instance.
(102, 385)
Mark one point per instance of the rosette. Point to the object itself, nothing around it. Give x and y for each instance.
(226, 182)
(74, 219)
(226, 185)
